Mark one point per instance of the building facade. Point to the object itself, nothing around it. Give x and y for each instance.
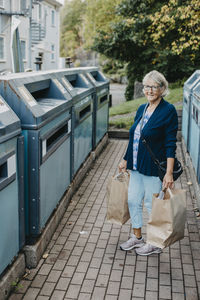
(29, 35)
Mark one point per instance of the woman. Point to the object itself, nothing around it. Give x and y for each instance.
(159, 128)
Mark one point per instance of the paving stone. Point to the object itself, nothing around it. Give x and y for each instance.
(63, 284)
(189, 281)
(164, 292)
(84, 296)
(138, 290)
(151, 295)
(45, 269)
(38, 281)
(98, 293)
(125, 294)
(127, 282)
(73, 292)
(152, 284)
(31, 294)
(42, 298)
(47, 288)
(53, 276)
(113, 288)
(58, 295)
(102, 280)
(177, 286)
(87, 286)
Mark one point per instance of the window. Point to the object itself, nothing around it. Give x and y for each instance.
(1, 3)
(2, 50)
(53, 17)
(23, 5)
(40, 11)
(52, 52)
(23, 49)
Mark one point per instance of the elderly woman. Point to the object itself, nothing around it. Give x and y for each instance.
(159, 128)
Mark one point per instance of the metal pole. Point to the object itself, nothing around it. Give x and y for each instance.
(30, 35)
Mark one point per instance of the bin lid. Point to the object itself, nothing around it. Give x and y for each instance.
(9, 123)
(96, 77)
(76, 83)
(36, 97)
(196, 93)
(192, 81)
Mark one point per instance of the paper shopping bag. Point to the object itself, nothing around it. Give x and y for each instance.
(167, 219)
(117, 199)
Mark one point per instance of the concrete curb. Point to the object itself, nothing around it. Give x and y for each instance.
(12, 276)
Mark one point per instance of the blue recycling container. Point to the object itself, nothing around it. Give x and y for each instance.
(194, 130)
(12, 235)
(82, 92)
(44, 107)
(189, 85)
(101, 106)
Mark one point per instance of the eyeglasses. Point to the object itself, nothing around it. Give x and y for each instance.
(154, 88)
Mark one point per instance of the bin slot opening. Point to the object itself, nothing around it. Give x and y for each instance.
(103, 99)
(85, 111)
(53, 139)
(3, 171)
(45, 89)
(76, 81)
(97, 76)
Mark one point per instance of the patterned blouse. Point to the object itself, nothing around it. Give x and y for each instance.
(137, 138)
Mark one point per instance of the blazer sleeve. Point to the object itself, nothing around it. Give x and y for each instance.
(171, 128)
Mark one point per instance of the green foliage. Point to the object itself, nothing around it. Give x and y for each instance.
(71, 27)
(141, 39)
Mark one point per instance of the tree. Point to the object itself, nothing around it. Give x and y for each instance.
(151, 35)
(71, 27)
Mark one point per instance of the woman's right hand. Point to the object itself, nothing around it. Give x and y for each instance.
(122, 166)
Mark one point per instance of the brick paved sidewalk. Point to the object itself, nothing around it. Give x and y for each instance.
(84, 260)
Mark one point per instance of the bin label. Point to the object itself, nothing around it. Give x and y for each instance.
(44, 148)
(29, 98)
(67, 84)
(11, 165)
(69, 126)
(59, 85)
(3, 107)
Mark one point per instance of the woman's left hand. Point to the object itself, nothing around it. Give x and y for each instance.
(168, 181)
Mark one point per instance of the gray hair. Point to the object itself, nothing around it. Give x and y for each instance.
(158, 78)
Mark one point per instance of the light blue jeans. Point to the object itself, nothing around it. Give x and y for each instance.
(141, 188)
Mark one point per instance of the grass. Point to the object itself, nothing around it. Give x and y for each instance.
(175, 97)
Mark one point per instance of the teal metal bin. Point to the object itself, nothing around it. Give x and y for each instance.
(194, 130)
(11, 186)
(82, 92)
(44, 107)
(189, 85)
(101, 106)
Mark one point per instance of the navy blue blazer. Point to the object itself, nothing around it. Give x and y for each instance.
(160, 133)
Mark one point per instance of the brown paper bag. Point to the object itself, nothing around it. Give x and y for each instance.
(117, 199)
(167, 220)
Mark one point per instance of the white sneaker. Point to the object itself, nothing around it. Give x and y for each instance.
(133, 242)
(148, 249)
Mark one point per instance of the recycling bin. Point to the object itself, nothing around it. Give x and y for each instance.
(189, 85)
(11, 186)
(43, 106)
(82, 92)
(194, 130)
(101, 106)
